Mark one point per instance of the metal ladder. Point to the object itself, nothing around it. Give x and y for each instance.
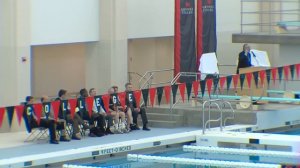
(220, 104)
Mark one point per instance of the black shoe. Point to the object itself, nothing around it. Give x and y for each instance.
(54, 141)
(137, 127)
(134, 127)
(146, 129)
(64, 139)
(108, 131)
(92, 135)
(100, 134)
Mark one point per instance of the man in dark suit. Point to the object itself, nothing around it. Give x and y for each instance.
(244, 58)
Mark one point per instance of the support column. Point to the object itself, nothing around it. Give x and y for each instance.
(14, 45)
(107, 59)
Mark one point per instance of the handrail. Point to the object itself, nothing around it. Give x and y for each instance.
(151, 74)
(232, 110)
(211, 102)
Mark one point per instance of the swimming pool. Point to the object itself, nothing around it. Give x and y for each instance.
(179, 153)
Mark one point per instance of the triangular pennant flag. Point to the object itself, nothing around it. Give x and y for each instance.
(38, 109)
(255, 75)
(209, 83)
(122, 97)
(174, 92)
(55, 107)
(2, 112)
(274, 74)
(249, 79)
(89, 105)
(280, 73)
(292, 70)
(262, 76)
(189, 90)
(73, 104)
(10, 113)
(235, 80)
(229, 80)
(202, 86)
(216, 83)
(298, 71)
(242, 79)
(105, 100)
(222, 83)
(196, 88)
(137, 95)
(182, 90)
(19, 111)
(160, 91)
(167, 93)
(152, 92)
(286, 70)
(268, 75)
(145, 93)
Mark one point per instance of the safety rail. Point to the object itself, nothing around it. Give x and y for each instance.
(220, 119)
(149, 75)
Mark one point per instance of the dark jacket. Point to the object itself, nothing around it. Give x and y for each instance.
(244, 61)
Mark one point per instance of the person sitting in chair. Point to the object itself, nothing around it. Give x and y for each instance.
(31, 122)
(60, 124)
(244, 60)
(136, 110)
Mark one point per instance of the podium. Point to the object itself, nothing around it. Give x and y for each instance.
(253, 91)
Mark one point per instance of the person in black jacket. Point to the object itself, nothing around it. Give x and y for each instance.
(31, 120)
(136, 110)
(64, 113)
(244, 58)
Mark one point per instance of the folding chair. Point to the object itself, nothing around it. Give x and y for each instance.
(38, 133)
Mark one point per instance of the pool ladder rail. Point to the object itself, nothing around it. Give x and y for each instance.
(220, 105)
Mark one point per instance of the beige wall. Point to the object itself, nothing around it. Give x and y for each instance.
(150, 54)
(58, 66)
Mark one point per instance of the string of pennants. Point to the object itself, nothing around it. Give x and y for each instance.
(276, 74)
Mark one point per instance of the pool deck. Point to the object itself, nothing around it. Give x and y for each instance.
(15, 153)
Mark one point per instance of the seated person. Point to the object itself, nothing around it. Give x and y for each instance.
(31, 120)
(244, 60)
(99, 129)
(98, 109)
(60, 124)
(131, 104)
(117, 112)
(64, 113)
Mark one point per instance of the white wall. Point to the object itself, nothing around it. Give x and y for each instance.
(67, 21)
(150, 18)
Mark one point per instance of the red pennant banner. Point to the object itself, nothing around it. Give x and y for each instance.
(196, 85)
(209, 83)
(298, 71)
(89, 105)
(2, 112)
(222, 83)
(274, 74)
(262, 75)
(235, 80)
(55, 107)
(167, 93)
(73, 104)
(286, 70)
(137, 95)
(182, 90)
(19, 111)
(105, 99)
(152, 92)
(249, 79)
(122, 97)
(38, 109)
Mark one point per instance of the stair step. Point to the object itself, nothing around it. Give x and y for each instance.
(164, 117)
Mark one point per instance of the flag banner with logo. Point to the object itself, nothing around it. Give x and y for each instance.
(206, 28)
(185, 43)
